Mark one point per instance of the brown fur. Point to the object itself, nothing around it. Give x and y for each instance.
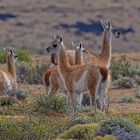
(10, 73)
(71, 74)
(51, 77)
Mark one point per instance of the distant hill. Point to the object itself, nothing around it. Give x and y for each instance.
(30, 24)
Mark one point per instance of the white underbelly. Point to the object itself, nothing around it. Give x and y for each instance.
(8, 86)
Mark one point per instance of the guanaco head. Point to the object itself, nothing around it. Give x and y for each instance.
(11, 56)
(108, 27)
(79, 53)
(78, 48)
(55, 44)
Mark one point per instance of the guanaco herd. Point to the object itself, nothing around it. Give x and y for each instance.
(73, 72)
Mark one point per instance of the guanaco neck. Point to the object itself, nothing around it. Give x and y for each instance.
(107, 49)
(63, 64)
(78, 57)
(11, 68)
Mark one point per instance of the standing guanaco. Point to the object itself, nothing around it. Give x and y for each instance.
(8, 82)
(51, 77)
(79, 78)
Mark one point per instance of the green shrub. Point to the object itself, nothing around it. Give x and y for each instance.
(28, 129)
(51, 103)
(120, 67)
(4, 101)
(134, 71)
(23, 55)
(80, 132)
(80, 119)
(137, 92)
(120, 127)
(21, 94)
(107, 137)
(30, 73)
(36, 72)
(126, 99)
(125, 82)
(135, 117)
(137, 80)
(2, 57)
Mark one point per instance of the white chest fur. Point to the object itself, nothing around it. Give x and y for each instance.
(8, 85)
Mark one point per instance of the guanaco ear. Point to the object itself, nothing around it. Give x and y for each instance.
(8, 50)
(80, 44)
(61, 38)
(74, 46)
(102, 23)
(109, 23)
(11, 51)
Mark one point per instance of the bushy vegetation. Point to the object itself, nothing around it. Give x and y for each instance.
(52, 103)
(2, 57)
(80, 132)
(107, 137)
(126, 99)
(135, 117)
(22, 56)
(4, 101)
(120, 68)
(122, 128)
(21, 94)
(124, 74)
(28, 128)
(137, 92)
(31, 73)
(125, 82)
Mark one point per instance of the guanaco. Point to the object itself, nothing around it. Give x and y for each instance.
(51, 78)
(79, 78)
(103, 58)
(8, 82)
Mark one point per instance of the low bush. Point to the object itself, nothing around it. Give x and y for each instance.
(125, 82)
(135, 117)
(126, 99)
(107, 137)
(134, 71)
(28, 129)
(80, 119)
(120, 67)
(2, 57)
(21, 94)
(122, 128)
(31, 73)
(137, 92)
(22, 56)
(4, 101)
(80, 132)
(51, 103)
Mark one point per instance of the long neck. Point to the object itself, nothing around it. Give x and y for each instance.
(11, 68)
(107, 49)
(62, 60)
(78, 58)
